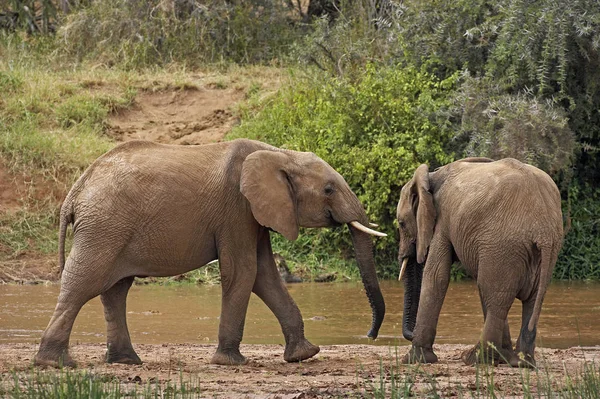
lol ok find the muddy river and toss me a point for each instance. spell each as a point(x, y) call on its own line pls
point(335, 313)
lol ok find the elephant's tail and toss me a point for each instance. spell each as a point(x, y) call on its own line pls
point(66, 218)
point(548, 256)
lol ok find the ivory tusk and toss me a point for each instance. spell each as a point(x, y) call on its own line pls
point(367, 230)
point(373, 225)
point(404, 262)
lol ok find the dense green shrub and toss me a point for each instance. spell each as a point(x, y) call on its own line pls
point(548, 48)
point(558, 58)
point(580, 256)
point(432, 32)
point(374, 131)
point(498, 125)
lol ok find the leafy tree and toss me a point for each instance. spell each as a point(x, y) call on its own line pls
point(375, 131)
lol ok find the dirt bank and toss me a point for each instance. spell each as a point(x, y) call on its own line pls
point(198, 116)
point(337, 371)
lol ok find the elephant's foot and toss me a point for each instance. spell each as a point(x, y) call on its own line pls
point(231, 357)
point(300, 351)
point(51, 360)
point(476, 355)
point(419, 354)
point(490, 355)
point(126, 356)
point(523, 360)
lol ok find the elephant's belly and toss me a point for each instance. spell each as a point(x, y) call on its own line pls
point(170, 260)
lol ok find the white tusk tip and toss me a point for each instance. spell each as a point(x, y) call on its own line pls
point(367, 230)
point(402, 268)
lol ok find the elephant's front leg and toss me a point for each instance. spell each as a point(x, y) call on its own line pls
point(269, 287)
point(436, 276)
point(238, 273)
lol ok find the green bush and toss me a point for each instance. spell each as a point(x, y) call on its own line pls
point(580, 255)
point(498, 125)
point(375, 131)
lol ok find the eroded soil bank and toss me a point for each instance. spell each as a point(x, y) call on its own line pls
point(337, 371)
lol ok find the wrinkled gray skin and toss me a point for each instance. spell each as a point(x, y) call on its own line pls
point(502, 220)
point(147, 209)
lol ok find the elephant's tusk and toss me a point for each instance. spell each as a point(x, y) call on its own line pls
point(367, 230)
point(404, 262)
point(373, 225)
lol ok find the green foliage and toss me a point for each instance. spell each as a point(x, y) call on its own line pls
point(52, 127)
point(312, 256)
point(580, 256)
point(89, 109)
point(374, 131)
point(141, 33)
point(10, 82)
point(432, 33)
point(549, 49)
point(558, 58)
point(499, 125)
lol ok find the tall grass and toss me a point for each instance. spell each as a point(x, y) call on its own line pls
point(67, 384)
point(397, 380)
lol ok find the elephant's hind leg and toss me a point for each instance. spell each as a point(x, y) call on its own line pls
point(526, 341)
point(505, 353)
point(119, 348)
point(75, 291)
point(494, 345)
point(269, 287)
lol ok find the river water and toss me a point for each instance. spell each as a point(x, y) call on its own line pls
point(334, 313)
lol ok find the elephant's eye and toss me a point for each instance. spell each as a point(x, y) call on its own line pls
point(328, 190)
point(401, 224)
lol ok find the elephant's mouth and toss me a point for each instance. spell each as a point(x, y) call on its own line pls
point(409, 252)
point(332, 221)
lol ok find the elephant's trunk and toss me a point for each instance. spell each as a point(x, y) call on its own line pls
point(363, 248)
point(413, 277)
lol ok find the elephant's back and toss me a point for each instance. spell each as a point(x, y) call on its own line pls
point(142, 172)
point(506, 200)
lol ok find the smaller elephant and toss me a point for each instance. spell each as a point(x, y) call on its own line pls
point(502, 221)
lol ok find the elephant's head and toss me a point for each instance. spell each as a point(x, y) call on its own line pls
point(289, 189)
point(416, 220)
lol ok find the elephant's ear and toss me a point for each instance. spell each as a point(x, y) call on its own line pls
point(265, 183)
point(426, 213)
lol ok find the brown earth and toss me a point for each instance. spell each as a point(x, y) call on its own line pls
point(337, 371)
point(198, 116)
point(18, 190)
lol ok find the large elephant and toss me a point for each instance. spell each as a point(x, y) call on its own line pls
point(147, 209)
point(502, 220)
